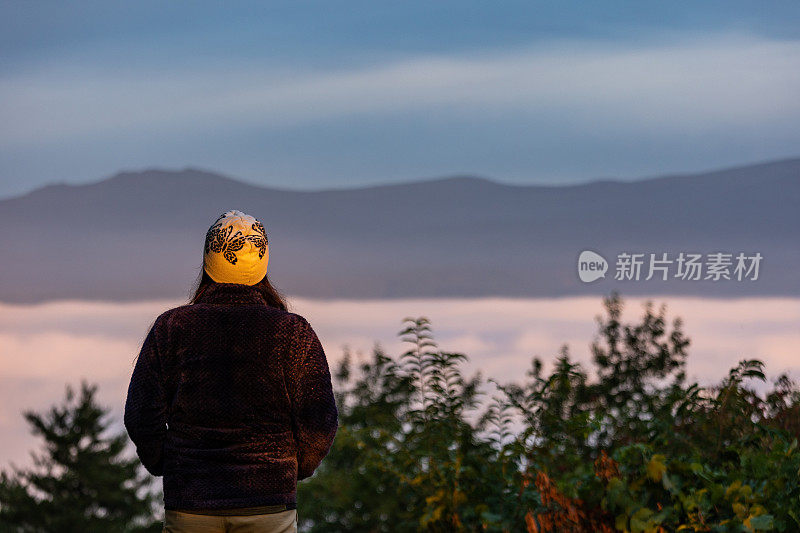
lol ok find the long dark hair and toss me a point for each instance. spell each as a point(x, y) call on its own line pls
point(273, 297)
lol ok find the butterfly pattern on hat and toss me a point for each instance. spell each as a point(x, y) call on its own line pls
point(220, 240)
point(259, 241)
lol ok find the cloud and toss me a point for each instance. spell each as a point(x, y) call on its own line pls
point(45, 346)
point(717, 82)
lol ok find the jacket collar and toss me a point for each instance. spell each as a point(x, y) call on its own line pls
point(231, 293)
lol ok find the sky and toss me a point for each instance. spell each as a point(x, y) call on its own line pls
point(314, 95)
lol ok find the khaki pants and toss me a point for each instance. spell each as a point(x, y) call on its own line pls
point(181, 522)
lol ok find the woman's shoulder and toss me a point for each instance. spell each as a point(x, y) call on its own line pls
point(296, 317)
point(299, 323)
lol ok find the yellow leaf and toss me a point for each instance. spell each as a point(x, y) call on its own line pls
point(735, 486)
point(656, 467)
point(757, 510)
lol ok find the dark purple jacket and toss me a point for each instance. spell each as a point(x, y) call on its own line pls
point(231, 401)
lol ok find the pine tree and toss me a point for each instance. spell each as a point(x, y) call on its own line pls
point(81, 481)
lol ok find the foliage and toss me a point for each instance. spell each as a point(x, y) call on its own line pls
point(81, 482)
point(630, 446)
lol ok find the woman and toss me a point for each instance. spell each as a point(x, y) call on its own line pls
point(230, 399)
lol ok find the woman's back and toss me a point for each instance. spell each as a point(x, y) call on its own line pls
point(227, 366)
point(231, 401)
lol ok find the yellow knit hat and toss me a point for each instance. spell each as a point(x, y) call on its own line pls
point(236, 250)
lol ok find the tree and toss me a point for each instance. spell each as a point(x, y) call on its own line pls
point(638, 366)
point(405, 458)
point(623, 442)
point(81, 481)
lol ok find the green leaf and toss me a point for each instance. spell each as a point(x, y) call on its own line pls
point(667, 482)
point(764, 522)
point(640, 521)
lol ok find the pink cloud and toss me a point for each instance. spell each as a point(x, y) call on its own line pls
point(43, 347)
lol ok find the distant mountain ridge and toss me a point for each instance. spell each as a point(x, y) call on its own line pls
point(139, 235)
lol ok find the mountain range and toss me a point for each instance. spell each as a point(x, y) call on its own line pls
point(139, 235)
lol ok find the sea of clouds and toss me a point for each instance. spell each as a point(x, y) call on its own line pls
point(44, 347)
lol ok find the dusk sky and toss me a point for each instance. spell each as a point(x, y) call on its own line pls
point(317, 95)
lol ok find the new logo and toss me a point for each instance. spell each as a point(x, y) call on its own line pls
point(591, 266)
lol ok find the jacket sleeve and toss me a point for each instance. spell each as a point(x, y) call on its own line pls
point(314, 412)
point(146, 405)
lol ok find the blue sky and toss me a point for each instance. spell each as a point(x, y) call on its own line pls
point(321, 94)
